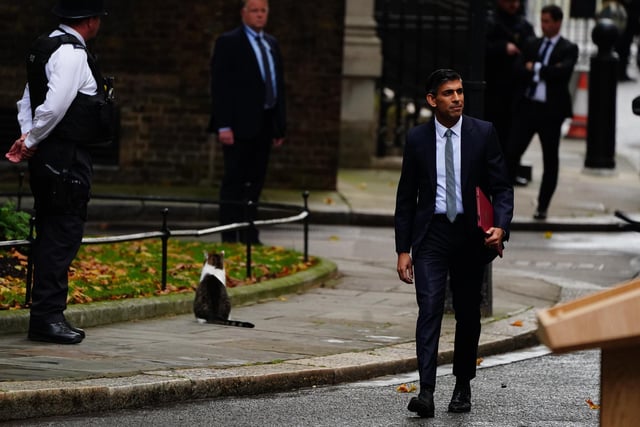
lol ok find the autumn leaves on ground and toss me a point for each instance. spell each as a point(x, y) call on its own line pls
point(133, 269)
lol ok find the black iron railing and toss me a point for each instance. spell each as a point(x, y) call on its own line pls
point(297, 214)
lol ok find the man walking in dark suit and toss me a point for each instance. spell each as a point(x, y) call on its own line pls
point(248, 112)
point(437, 233)
point(546, 68)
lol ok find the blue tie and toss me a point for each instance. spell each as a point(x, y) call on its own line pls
point(452, 210)
point(269, 95)
point(542, 53)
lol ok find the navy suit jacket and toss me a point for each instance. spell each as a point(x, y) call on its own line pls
point(482, 164)
point(238, 89)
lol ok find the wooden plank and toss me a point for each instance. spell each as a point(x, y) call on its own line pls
point(609, 318)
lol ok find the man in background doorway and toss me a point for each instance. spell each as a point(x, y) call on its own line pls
point(248, 113)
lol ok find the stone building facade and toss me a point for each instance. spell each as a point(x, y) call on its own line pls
point(159, 52)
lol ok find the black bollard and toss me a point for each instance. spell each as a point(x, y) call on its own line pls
point(601, 126)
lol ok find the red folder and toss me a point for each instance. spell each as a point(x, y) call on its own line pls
point(485, 213)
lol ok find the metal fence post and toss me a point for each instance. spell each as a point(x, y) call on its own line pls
point(247, 232)
point(165, 239)
point(305, 223)
point(27, 296)
point(20, 181)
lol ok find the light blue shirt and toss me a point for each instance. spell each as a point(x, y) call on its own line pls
point(541, 89)
point(256, 48)
point(441, 174)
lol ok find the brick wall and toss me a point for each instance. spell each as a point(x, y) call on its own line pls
point(159, 53)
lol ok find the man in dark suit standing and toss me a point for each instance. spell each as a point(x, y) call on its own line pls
point(248, 112)
point(545, 70)
point(507, 32)
point(437, 233)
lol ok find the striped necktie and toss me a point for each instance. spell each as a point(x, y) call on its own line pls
point(452, 210)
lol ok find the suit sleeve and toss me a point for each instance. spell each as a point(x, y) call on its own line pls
point(500, 186)
point(220, 85)
point(560, 71)
point(406, 198)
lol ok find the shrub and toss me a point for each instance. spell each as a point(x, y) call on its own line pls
point(14, 225)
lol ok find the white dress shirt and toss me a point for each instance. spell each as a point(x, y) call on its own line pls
point(68, 73)
point(441, 175)
point(540, 93)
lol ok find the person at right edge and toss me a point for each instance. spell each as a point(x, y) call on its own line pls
point(437, 233)
point(624, 40)
point(544, 72)
point(248, 113)
point(64, 109)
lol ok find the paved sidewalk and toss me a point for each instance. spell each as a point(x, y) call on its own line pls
point(347, 319)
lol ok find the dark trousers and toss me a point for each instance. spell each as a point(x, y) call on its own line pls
point(245, 170)
point(624, 40)
point(448, 250)
point(498, 110)
point(531, 118)
point(60, 179)
point(58, 238)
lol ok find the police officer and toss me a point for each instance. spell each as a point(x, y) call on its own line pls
point(62, 83)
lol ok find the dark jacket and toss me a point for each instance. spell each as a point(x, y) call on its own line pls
point(482, 165)
point(503, 28)
point(237, 87)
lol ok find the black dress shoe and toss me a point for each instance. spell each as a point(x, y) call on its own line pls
point(58, 333)
point(422, 404)
point(461, 399)
point(540, 215)
point(76, 330)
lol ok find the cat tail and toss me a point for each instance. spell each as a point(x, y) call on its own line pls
point(238, 323)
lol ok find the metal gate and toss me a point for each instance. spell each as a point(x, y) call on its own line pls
point(417, 37)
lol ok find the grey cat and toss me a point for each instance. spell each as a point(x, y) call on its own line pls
point(212, 302)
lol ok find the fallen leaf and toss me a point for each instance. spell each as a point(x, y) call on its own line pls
point(406, 388)
point(479, 360)
point(329, 201)
point(591, 404)
point(548, 234)
point(334, 238)
point(517, 323)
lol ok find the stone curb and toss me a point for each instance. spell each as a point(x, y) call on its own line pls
point(20, 400)
point(29, 399)
point(102, 313)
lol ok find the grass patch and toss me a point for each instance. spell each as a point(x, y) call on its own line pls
point(134, 269)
